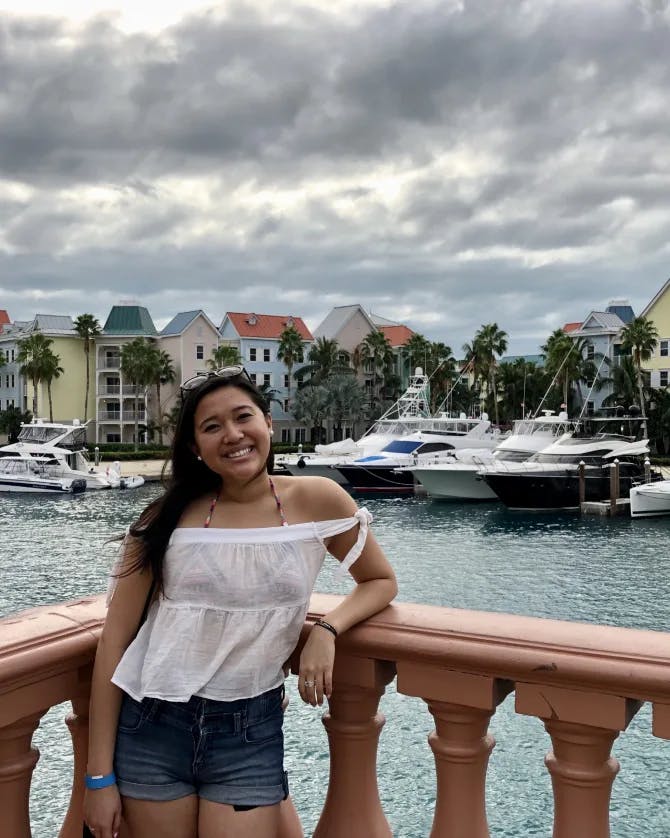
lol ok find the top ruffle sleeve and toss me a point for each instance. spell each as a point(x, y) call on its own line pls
point(362, 517)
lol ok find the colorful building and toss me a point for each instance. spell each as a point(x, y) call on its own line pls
point(658, 311)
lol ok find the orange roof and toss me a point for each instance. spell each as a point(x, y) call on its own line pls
point(571, 327)
point(397, 335)
point(269, 326)
point(4, 318)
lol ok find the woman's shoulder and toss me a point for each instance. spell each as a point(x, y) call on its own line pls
point(318, 498)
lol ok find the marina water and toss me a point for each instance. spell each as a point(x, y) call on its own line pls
point(480, 557)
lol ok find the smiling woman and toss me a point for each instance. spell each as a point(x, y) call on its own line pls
point(211, 593)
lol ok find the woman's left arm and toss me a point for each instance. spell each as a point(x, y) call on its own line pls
point(375, 587)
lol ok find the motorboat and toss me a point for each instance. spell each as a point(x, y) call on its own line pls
point(650, 499)
point(388, 470)
point(550, 479)
point(66, 443)
point(456, 476)
point(410, 414)
point(24, 473)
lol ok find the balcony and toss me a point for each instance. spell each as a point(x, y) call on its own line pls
point(109, 362)
point(584, 682)
point(116, 390)
point(117, 416)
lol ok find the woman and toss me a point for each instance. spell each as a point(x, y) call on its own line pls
point(186, 704)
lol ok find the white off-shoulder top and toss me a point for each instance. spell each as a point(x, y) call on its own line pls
point(233, 604)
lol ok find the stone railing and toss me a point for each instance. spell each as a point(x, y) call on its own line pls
point(585, 682)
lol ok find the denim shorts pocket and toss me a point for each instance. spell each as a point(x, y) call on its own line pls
point(133, 714)
point(265, 729)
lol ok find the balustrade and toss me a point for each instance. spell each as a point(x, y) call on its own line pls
point(584, 683)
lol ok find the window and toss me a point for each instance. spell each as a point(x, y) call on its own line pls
point(12, 379)
point(286, 381)
point(285, 405)
point(7, 354)
point(590, 408)
point(664, 378)
point(300, 434)
point(252, 353)
point(199, 352)
point(285, 434)
point(6, 381)
point(113, 438)
point(664, 348)
point(12, 354)
point(266, 356)
point(252, 376)
point(266, 379)
point(590, 351)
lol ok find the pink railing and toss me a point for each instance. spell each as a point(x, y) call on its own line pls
point(585, 682)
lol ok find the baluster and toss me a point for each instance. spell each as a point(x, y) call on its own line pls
point(583, 727)
point(462, 705)
point(352, 808)
point(18, 758)
point(77, 722)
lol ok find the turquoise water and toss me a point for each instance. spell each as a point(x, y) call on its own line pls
point(482, 557)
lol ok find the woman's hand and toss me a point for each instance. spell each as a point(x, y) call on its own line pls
point(315, 678)
point(102, 811)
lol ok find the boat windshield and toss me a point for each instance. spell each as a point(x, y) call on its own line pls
point(402, 446)
point(38, 433)
point(592, 458)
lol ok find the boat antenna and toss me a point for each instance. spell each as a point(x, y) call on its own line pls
point(593, 384)
point(445, 400)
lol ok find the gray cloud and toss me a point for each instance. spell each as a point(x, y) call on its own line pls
point(444, 162)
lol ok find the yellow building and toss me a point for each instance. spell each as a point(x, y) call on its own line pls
point(658, 311)
point(68, 391)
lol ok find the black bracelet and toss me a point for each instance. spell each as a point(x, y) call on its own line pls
point(327, 627)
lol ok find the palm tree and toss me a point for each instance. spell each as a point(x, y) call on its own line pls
point(640, 336)
point(51, 370)
point(10, 422)
point(310, 406)
point(325, 359)
point(269, 393)
point(624, 383)
point(164, 373)
point(137, 366)
point(377, 353)
point(346, 401)
point(291, 351)
point(224, 356)
point(418, 350)
point(88, 328)
point(490, 341)
point(32, 359)
point(567, 363)
point(442, 371)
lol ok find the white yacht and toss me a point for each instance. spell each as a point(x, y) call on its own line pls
point(650, 499)
point(66, 444)
point(457, 474)
point(408, 416)
point(23, 473)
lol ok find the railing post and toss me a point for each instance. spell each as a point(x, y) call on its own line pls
point(462, 705)
point(583, 727)
point(352, 808)
point(18, 758)
point(77, 722)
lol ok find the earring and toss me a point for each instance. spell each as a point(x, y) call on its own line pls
point(198, 457)
point(271, 431)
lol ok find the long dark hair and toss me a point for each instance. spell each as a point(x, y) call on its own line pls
point(186, 478)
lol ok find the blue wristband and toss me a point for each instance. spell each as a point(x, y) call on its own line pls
point(99, 781)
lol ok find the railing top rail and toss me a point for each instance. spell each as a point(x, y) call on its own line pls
point(628, 662)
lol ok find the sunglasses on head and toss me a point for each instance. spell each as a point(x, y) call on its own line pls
point(231, 371)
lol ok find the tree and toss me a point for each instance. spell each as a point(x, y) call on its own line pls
point(10, 422)
point(138, 367)
point(624, 383)
point(488, 342)
point(164, 373)
point(270, 394)
point(640, 337)
point(291, 351)
point(346, 402)
point(310, 406)
point(51, 370)
point(88, 328)
point(224, 356)
point(522, 384)
point(567, 363)
point(325, 359)
point(32, 359)
point(376, 351)
point(418, 351)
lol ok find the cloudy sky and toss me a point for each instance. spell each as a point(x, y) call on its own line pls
point(445, 164)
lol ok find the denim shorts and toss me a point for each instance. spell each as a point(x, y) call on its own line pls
point(224, 751)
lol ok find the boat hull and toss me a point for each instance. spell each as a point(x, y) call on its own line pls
point(43, 487)
point(554, 490)
point(650, 499)
point(312, 468)
point(377, 479)
point(455, 484)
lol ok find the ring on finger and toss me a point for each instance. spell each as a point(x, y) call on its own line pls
point(309, 683)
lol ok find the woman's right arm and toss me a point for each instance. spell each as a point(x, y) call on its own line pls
point(102, 807)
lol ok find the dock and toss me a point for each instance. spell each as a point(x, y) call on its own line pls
point(605, 508)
